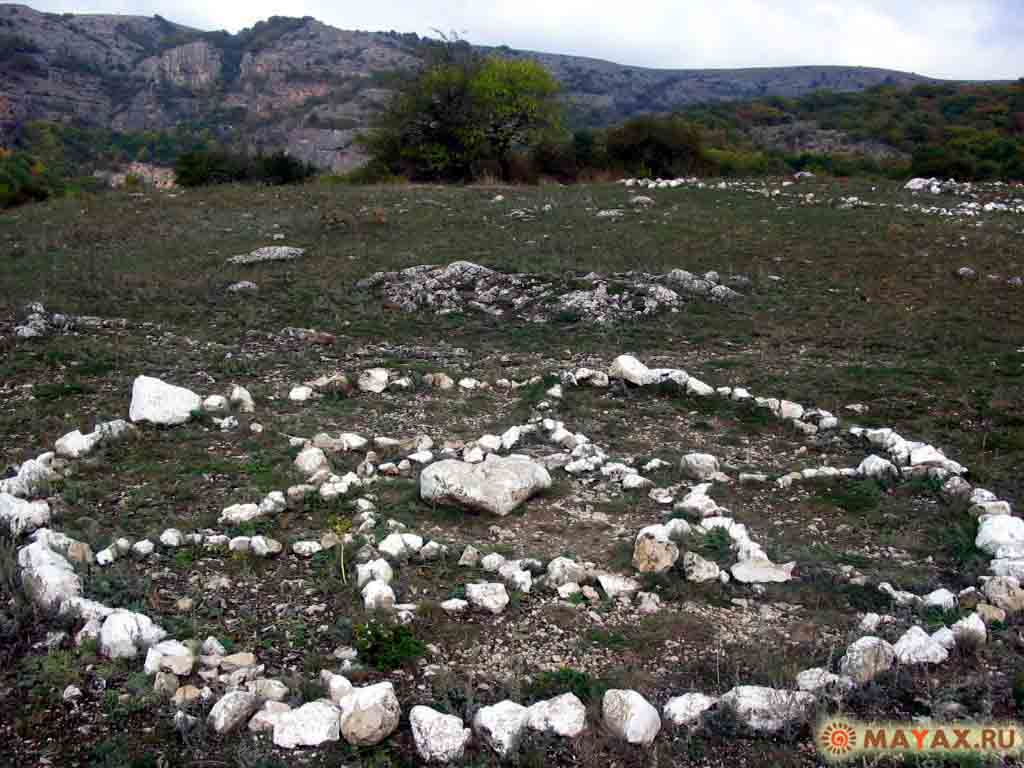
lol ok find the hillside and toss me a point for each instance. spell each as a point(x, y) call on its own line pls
point(306, 86)
point(963, 131)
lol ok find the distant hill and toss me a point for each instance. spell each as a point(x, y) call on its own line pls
point(957, 130)
point(308, 87)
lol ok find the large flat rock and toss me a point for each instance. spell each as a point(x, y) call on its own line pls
point(498, 485)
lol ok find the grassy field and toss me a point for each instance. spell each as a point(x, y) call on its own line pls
point(856, 306)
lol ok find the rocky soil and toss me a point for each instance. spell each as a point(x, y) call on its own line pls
point(444, 539)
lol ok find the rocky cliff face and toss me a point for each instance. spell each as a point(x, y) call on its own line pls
point(303, 85)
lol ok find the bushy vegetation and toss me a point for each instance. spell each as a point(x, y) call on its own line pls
point(387, 646)
point(201, 168)
point(464, 116)
point(24, 179)
point(945, 130)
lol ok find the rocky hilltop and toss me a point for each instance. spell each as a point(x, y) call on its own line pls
point(305, 86)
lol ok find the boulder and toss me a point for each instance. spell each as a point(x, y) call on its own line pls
point(877, 468)
point(338, 686)
point(159, 403)
point(563, 571)
point(1005, 592)
point(616, 586)
point(699, 570)
point(688, 709)
point(378, 596)
point(370, 714)
point(917, 647)
point(653, 551)
point(628, 368)
point(762, 571)
point(266, 719)
point(497, 486)
point(75, 445)
point(564, 716)
point(232, 710)
point(311, 460)
point(22, 516)
point(125, 633)
point(375, 570)
point(630, 716)
point(439, 738)
point(373, 380)
point(996, 531)
point(699, 466)
point(501, 726)
point(970, 631)
point(819, 680)
point(311, 725)
point(769, 710)
point(490, 597)
point(867, 658)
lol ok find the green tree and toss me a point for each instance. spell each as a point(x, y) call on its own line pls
point(513, 105)
point(659, 146)
point(462, 115)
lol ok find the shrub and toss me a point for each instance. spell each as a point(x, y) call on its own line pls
point(202, 168)
point(659, 146)
point(385, 646)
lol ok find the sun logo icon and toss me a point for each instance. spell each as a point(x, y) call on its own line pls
point(838, 739)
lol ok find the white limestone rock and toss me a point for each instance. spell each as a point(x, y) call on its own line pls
point(629, 716)
point(157, 402)
point(439, 738)
point(373, 380)
point(264, 546)
point(311, 460)
point(47, 577)
point(628, 368)
point(867, 658)
point(498, 485)
point(311, 725)
point(375, 570)
point(22, 516)
point(125, 633)
point(616, 586)
point(877, 468)
point(653, 551)
point(819, 681)
point(501, 726)
point(490, 597)
point(699, 466)
point(378, 596)
point(564, 716)
point(75, 445)
point(231, 711)
point(563, 570)
point(917, 647)
point(769, 710)
point(970, 631)
point(688, 709)
point(237, 514)
point(699, 570)
point(760, 570)
point(241, 399)
point(172, 538)
point(942, 599)
point(997, 531)
point(370, 714)
point(266, 718)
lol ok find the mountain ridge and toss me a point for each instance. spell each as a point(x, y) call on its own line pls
point(307, 87)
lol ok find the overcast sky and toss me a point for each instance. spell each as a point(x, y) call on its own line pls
point(960, 39)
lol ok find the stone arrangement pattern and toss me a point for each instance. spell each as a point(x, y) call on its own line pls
point(477, 476)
